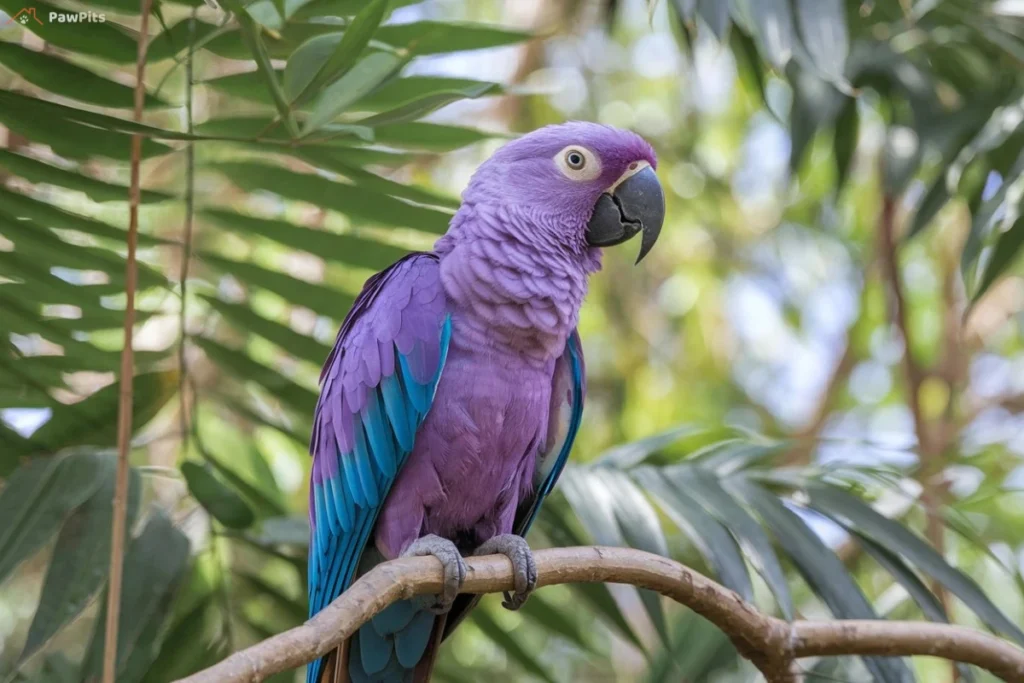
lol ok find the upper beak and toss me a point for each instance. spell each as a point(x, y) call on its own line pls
point(634, 205)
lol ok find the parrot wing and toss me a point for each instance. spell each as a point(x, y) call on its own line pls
point(568, 390)
point(377, 386)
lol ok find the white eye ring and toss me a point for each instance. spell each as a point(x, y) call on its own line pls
point(578, 163)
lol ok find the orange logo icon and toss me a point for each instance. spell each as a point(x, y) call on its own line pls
point(23, 16)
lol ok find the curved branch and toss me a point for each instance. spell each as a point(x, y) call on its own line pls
point(770, 643)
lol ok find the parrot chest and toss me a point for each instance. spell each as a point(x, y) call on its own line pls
point(474, 456)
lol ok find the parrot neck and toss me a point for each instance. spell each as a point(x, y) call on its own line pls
point(514, 285)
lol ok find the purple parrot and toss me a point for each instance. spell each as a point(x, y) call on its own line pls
point(455, 389)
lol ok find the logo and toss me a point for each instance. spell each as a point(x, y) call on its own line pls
point(23, 17)
point(27, 15)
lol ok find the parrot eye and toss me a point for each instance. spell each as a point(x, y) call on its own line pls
point(578, 163)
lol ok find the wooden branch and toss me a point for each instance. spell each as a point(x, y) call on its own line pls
point(770, 643)
point(124, 406)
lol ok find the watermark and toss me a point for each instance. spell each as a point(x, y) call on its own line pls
point(28, 16)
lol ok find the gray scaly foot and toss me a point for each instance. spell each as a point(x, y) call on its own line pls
point(524, 569)
point(454, 569)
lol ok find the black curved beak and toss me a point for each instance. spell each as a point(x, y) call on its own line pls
point(636, 205)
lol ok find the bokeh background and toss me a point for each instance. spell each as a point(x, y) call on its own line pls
point(812, 390)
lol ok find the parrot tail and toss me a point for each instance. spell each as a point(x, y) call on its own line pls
point(396, 646)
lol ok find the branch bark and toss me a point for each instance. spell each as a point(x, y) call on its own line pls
point(770, 643)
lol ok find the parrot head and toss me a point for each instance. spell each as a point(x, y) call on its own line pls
point(587, 185)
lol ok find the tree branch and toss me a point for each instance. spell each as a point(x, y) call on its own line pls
point(771, 644)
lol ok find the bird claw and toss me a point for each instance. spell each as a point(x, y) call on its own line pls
point(454, 570)
point(524, 569)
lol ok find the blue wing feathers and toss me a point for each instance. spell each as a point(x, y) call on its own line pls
point(411, 642)
point(384, 396)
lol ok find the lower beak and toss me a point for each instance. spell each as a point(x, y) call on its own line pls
point(636, 205)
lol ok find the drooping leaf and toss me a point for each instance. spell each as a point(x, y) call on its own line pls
point(716, 15)
point(517, 652)
point(773, 28)
point(245, 319)
point(154, 565)
point(99, 191)
point(356, 251)
point(711, 539)
point(83, 549)
point(37, 499)
point(93, 421)
point(361, 79)
point(823, 32)
point(1004, 253)
point(703, 487)
point(226, 506)
point(299, 398)
point(319, 298)
point(822, 571)
point(347, 199)
point(855, 514)
point(844, 141)
point(356, 37)
point(61, 77)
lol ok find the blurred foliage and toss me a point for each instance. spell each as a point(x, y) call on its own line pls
point(294, 147)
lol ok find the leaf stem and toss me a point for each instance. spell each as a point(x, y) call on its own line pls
point(124, 412)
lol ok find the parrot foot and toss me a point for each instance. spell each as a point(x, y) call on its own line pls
point(524, 569)
point(454, 570)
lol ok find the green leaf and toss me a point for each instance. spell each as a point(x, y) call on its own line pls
point(823, 30)
point(331, 246)
point(20, 206)
point(299, 398)
point(69, 80)
point(930, 605)
point(154, 566)
point(264, 495)
point(611, 522)
point(555, 620)
point(553, 518)
point(822, 571)
point(1004, 252)
point(44, 246)
point(773, 28)
point(69, 138)
point(252, 36)
point(710, 538)
point(294, 610)
point(844, 141)
point(36, 500)
point(352, 44)
point(290, 341)
point(401, 91)
point(99, 191)
point(327, 194)
point(335, 163)
point(435, 37)
point(83, 549)
point(434, 137)
point(705, 488)
point(223, 504)
point(715, 14)
point(93, 421)
point(320, 299)
point(855, 514)
point(426, 105)
point(366, 75)
point(516, 651)
point(640, 529)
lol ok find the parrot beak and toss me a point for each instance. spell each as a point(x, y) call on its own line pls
point(635, 203)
